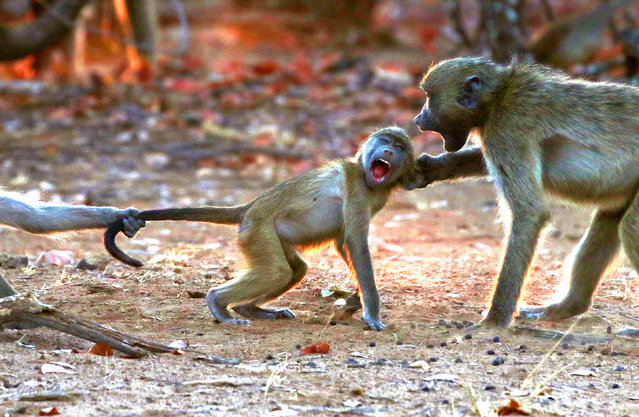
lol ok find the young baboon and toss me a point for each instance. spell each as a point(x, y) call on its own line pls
point(335, 202)
point(541, 131)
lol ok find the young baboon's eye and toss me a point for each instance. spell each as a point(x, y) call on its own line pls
point(400, 147)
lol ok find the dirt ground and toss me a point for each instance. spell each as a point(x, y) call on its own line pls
point(435, 252)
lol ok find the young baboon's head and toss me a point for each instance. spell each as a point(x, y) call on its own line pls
point(456, 93)
point(387, 157)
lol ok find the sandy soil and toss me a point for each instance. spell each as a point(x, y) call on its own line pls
point(435, 254)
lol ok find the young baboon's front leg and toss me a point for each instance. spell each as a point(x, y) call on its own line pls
point(596, 250)
point(299, 268)
point(353, 302)
point(357, 245)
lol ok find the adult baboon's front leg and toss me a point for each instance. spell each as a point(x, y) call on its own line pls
point(596, 250)
point(523, 194)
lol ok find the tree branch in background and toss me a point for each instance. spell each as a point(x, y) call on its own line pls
point(143, 17)
point(22, 40)
point(455, 15)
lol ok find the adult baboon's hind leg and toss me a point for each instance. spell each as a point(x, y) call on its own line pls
point(299, 268)
point(596, 250)
point(268, 275)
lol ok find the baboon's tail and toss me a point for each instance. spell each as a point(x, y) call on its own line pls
point(220, 215)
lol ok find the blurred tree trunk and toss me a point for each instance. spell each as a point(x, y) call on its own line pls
point(50, 27)
point(504, 26)
point(144, 21)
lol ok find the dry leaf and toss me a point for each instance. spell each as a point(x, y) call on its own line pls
point(179, 344)
point(50, 411)
point(57, 367)
point(443, 377)
point(101, 349)
point(55, 257)
point(319, 347)
point(583, 372)
point(513, 408)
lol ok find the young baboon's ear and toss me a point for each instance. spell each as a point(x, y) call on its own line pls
point(470, 89)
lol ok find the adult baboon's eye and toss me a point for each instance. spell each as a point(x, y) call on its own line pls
point(400, 147)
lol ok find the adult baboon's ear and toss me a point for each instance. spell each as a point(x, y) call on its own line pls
point(470, 90)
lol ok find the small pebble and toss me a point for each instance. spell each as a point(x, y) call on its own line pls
point(522, 347)
point(467, 323)
point(618, 353)
point(458, 360)
point(445, 402)
point(591, 348)
point(560, 353)
point(498, 361)
point(609, 329)
point(429, 346)
point(311, 364)
point(333, 323)
point(442, 344)
point(490, 388)
point(468, 336)
point(298, 346)
point(428, 387)
point(615, 385)
point(433, 359)
point(496, 339)
point(372, 344)
point(605, 351)
point(566, 346)
point(270, 357)
point(399, 342)
point(490, 352)
point(441, 322)
point(620, 368)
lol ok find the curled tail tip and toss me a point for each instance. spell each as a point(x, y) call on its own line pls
point(109, 244)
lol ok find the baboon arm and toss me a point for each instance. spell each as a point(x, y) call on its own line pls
point(362, 265)
point(51, 218)
point(448, 166)
point(356, 241)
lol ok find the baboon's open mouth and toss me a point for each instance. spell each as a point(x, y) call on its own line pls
point(380, 169)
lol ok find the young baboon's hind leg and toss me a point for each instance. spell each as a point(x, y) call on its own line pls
point(596, 250)
point(299, 268)
point(268, 273)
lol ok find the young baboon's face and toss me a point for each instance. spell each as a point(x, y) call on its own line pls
point(453, 95)
point(385, 156)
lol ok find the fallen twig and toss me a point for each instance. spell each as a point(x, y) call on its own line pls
point(25, 308)
point(556, 334)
